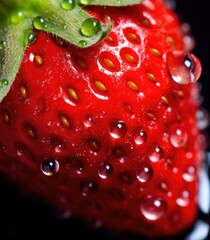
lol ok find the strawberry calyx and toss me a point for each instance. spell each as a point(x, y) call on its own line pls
point(66, 19)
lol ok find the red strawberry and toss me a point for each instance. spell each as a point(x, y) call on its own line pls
point(108, 131)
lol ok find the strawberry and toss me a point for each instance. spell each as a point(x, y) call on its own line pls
point(98, 112)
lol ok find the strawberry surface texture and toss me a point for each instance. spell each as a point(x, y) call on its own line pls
point(109, 132)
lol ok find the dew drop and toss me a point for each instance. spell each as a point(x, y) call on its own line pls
point(90, 27)
point(31, 37)
point(184, 67)
point(105, 170)
point(40, 23)
point(140, 136)
point(153, 208)
point(89, 121)
point(184, 199)
point(49, 167)
point(17, 17)
point(4, 82)
point(144, 174)
point(190, 174)
point(156, 153)
point(178, 136)
point(82, 43)
point(88, 188)
point(68, 4)
point(118, 129)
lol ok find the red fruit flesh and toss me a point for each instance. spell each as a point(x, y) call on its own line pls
point(105, 132)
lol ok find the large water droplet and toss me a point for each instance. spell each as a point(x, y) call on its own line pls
point(152, 208)
point(156, 153)
point(178, 136)
point(68, 4)
point(140, 136)
point(90, 27)
point(184, 67)
point(184, 199)
point(89, 121)
point(105, 170)
point(82, 43)
point(118, 129)
point(144, 174)
point(190, 174)
point(40, 23)
point(4, 82)
point(49, 167)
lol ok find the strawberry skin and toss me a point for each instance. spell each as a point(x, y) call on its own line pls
point(109, 132)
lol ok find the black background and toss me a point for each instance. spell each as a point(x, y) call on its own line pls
point(25, 218)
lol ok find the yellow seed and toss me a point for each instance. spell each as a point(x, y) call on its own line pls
point(73, 94)
point(180, 93)
point(130, 58)
point(170, 41)
point(145, 23)
point(165, 100)
point(150, 115)
point(93, 144)
point(6, 117)
point(132, 86)
point(155, 52)
point(164, 186)
point(100, 86)
point(38, 60)
point(64, 121)
point(31, 132)
point(110, 39)
point(81, 63)
point(23, 91)
point(151, 77)
point(108, 63)
point(132, 37)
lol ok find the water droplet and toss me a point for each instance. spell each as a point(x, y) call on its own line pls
point(88, 188)
point(153, 208)
point(89, 121)
point(90, 27)
point(4, 82)
point(190, 174)
point(178, 136)
point(82, 43)
point(156, 153)
point(184, 199)
point(31, 37)
point(144, 174)
point(49, 167)
point(140, 136)
point(184, 67)
point(17, 17)
point(202, 116)
point(118, 129)
point(105, 170)
point(40, 23)
point(68, 4)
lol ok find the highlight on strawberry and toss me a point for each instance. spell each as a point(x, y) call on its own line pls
point(98, 112)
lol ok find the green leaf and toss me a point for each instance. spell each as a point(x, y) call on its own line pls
point(68, 24)
point(114, 3)
point(13, 44)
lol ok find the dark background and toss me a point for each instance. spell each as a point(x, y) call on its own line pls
point(25, 218)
